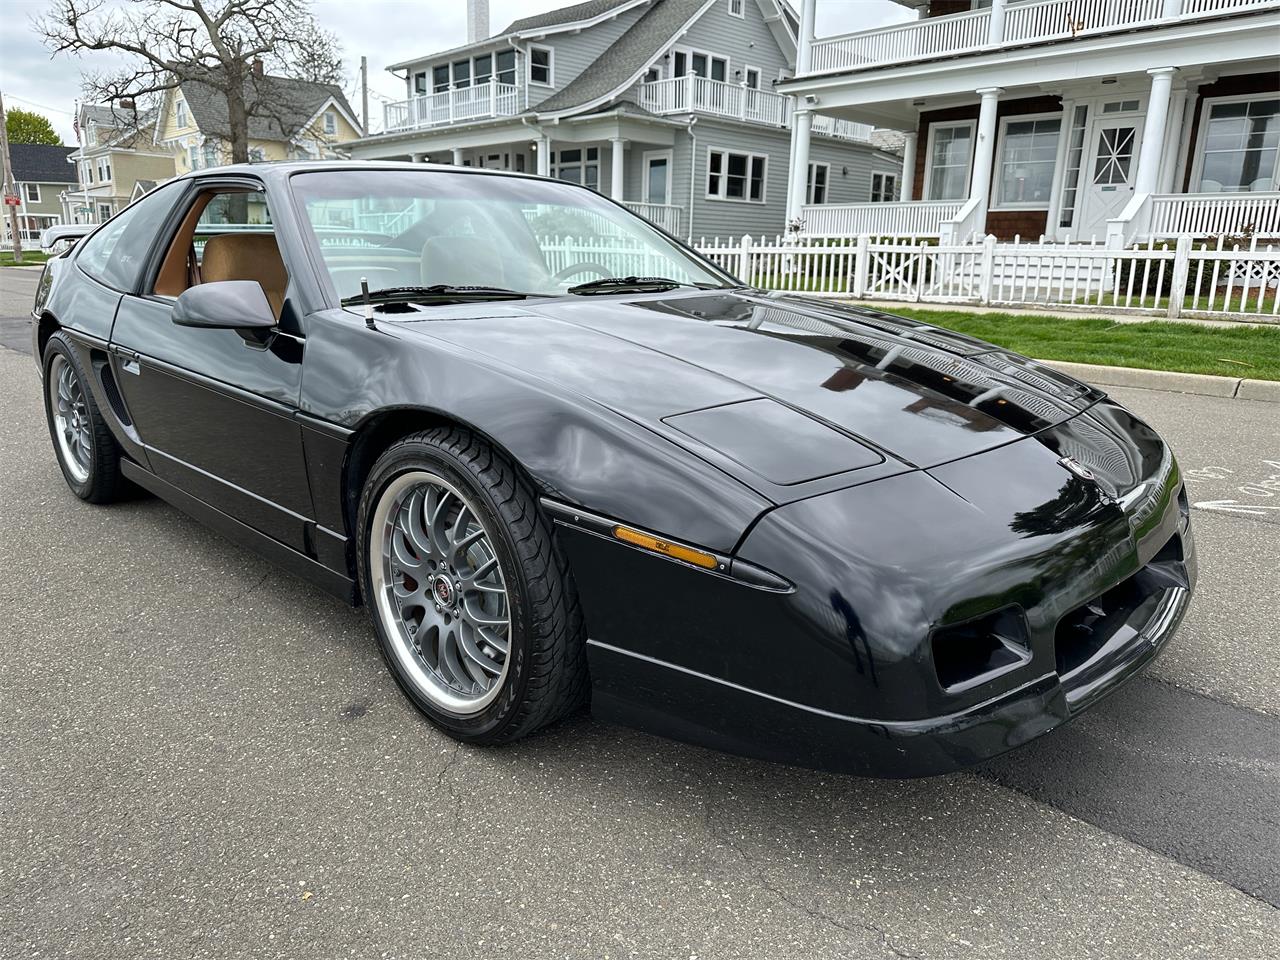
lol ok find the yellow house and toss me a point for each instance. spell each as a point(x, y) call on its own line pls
point(290, 120)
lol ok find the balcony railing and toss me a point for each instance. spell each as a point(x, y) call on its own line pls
point(737, 101)
point(919, 218)
point(479, 102)
point(1022, 23)
point(663, 215)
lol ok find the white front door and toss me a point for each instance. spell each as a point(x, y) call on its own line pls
point(657, 177)
point(1106, 182)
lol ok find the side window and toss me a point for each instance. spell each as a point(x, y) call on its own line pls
point(117, 252)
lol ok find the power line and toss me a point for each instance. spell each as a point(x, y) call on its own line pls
point(32, 103)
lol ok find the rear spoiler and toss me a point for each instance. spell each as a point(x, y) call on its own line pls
point(68, 232)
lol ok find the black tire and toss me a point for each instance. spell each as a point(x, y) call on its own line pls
point(99, 480)
point(546, 677)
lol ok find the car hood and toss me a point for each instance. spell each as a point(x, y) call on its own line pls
point(915, 394)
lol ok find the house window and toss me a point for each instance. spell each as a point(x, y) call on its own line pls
point(1115, 156)
point(736, 176)
point(32, 191)
point(1241, 142)
point(752, 78)
point(256, 155)
point(193, 157)
point(420, 83)
point(1121, 106)
point(211, 157)
point(540, 66)
point(736, 9)
point(440, 78)
point(86, 172)
point(1028, 155)
point(950, 157)
point(506, 66)
point(577, 166)
point(104, 212)
point(815, 190)
point(884, 187)
point(1075, 158)
point(483, 68)
point(180, 111)
point(104, 169)
point(330, 123)
point(462, 73)
point(657, 177)
point(700, 64)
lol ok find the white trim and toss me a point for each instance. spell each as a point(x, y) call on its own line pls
point(927, 186)
point(724, 176)
point(811, 181)
point(884, 175)
point(331, 102)
point(742, 9)
point(645, 157)
point(1197, 165)
point(689, 54)
point(999, 161)
point(551, 65)
point(747, 68)
point(26, 193)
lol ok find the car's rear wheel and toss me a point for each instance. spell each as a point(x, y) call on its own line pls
point(471, 600)
point(86, 450)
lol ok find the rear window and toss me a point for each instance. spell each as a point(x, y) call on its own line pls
point(116, 253)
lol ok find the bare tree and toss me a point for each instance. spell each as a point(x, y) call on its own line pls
point(223, 44)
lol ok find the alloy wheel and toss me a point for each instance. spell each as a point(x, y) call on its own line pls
point(70, 418)
point(440, 592)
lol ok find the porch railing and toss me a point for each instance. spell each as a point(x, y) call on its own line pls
point(918, 218)
point(1215, 214)
point(663, 215)
point(1023, 23)
point(478, 102)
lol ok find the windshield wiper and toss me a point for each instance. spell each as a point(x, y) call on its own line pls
point(436, 293)
point(629, 285)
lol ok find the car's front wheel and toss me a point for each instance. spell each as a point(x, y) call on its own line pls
point(86, 450)
point(474, 608)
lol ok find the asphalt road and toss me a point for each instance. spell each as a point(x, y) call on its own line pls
point(203, 757)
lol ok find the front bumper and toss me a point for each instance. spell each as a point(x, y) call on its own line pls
point(684, 704)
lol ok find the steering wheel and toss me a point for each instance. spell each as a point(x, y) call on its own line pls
point(576, 268)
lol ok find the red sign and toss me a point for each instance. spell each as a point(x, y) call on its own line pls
point(12, 200)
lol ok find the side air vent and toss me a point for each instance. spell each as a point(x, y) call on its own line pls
point(111, 389)
point(966, 654)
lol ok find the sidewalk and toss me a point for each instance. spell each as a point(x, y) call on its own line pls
point(1081, 313)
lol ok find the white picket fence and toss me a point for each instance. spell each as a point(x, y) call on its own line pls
point(1174, 279)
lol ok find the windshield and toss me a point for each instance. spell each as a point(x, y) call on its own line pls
point(422, 228)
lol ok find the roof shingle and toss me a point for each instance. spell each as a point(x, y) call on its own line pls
point(284, 106)
point(41, 163)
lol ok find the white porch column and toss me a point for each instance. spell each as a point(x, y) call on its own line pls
point(1172, 8)
point(909, 166)
point(804, 42)
point(995, 29)
point(457, 156)
point(418, 157)
point(617, 168)
point(544, 156)
point(984, 155)
point(1147, 179)
point(802, 122)
point(1173, 141)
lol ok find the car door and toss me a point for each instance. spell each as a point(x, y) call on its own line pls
point(216, 408)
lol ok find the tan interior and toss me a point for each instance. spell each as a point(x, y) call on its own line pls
point(246, 256)
point(228, 256)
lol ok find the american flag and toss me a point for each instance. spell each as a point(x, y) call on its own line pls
point(75, 121)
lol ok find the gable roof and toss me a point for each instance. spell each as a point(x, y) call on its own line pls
point(552, 18)
point(287, 106)
point(41, 163)
point(627, 57)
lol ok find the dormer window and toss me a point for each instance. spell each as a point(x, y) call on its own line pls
point(540, 66)
point(330, 122)
point(180, 113)
point(736, 9)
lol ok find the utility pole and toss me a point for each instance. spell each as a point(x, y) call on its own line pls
point(364, 93)
point(9, 186)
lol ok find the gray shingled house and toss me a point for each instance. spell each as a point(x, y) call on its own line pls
point(41, 173)
point(669, 106)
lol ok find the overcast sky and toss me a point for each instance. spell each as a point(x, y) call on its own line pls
point(385, 31)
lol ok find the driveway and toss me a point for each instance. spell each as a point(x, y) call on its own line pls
point(203, 757)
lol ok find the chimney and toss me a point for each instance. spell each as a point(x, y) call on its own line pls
point(126, 103)
point(477, 20)
point(256, 66)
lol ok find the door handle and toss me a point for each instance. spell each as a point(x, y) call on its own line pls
point(132, 366)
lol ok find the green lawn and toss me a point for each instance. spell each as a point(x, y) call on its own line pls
point(28, 257)
point(1157, 345)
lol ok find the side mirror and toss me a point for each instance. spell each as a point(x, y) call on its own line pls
point(225, 305)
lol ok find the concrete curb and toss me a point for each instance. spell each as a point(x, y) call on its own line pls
point(1201, 384)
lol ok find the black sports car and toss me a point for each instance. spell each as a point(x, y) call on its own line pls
point(563, 458)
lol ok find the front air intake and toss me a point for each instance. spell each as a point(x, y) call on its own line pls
point(973, 652)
